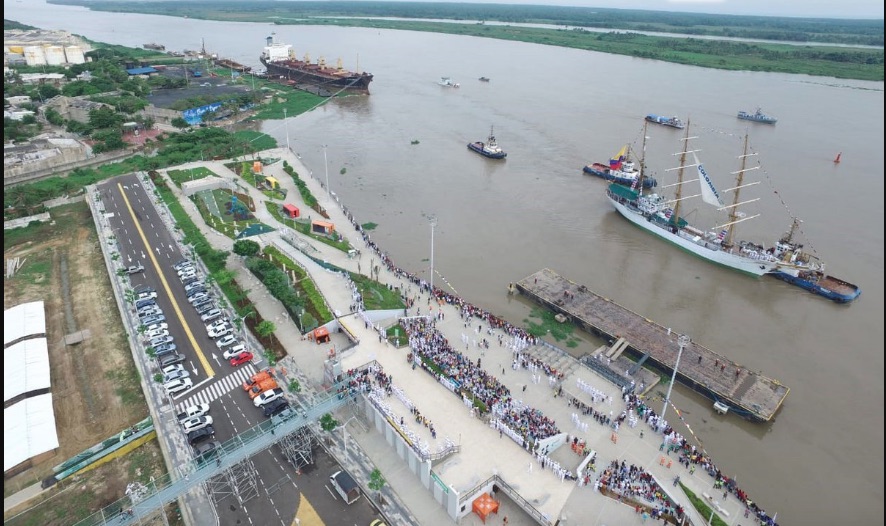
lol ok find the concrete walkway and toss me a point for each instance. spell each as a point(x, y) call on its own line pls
point(483, 452)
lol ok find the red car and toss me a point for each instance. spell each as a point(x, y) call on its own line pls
point(241, 358)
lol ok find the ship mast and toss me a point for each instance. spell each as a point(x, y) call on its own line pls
point(733, 212)
point(675, 217)
point(642, 160)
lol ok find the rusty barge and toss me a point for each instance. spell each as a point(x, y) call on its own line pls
point(749, 394)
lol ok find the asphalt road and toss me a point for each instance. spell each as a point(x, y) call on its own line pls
point(274, 492)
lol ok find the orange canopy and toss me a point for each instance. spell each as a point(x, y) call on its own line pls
point(485, 505)
point(321, 335)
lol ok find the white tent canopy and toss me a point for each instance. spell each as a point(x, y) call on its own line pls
point(25, 368)
point(29, 430)
point(27, 319)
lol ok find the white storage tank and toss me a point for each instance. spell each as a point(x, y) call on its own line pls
point(55, 55)
point(34, 56)
point(75, 55)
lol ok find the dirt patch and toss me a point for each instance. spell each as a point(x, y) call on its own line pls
point(95, 385)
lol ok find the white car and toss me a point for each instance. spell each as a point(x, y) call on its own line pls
point(156, 333)
point(146, 296)
point(226, 341)
point(156, 326)
point(234, 351)
point(178, 385)
point(211, 315)
point(193, 411)
point(175, 375)
point(268, 396)
point(169, 369)
point(198, 422)
point(224, 331)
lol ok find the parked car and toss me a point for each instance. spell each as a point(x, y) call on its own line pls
point(156, 326)
point(195, 292)
point(150, 310)
point(144, 288)
point(187, 275)
point(156, 333)
point(141, 304)
point(146, 295)
point(226, 341)
point(267, 396)
point(152, 319)
point(218, 333)
point(172, 368)
point(211, 315)
point(274, 407)
point(207, 451)
point(185, 269)
point(175, 375)
point(241, 358)
point(170, 358)
point(194, 285)
point(178, 385)
point(204, 305)
point(201, 435)
point(193, 411)
point(182, 263)
point(160, 341)
point(164, 349)
point(195, 423)
point(234, 351)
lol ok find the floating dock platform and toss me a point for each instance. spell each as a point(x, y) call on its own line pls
point(746, 393)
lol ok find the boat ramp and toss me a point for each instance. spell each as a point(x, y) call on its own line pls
point(749, 394)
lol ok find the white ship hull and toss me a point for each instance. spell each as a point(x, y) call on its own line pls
point(699, 248)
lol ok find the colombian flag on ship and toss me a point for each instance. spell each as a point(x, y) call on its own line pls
point(615, 162)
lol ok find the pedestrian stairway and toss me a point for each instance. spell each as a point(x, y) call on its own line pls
point(218, 388)
point(557, 359)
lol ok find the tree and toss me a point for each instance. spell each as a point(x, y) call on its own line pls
point(105, 118)
point(246, 247)
point(54, 117)
point(328, 423)
point(179, 123)
point(377, 483)
point(265, 329)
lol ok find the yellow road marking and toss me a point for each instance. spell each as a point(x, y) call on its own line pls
point(306, 514)
point(203, 361)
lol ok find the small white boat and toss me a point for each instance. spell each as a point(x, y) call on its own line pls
point(447, 82)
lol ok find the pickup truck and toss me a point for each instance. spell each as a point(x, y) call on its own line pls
point(256, 378)
point(192, 411)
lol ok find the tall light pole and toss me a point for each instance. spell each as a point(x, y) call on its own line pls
point(326, 167)
point(433, 224)
point(286, 124)
point(682, 341)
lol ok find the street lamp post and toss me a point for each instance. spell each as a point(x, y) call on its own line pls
point(286, 124)
point(433, 224)
point(326, 167)
point(682, 341)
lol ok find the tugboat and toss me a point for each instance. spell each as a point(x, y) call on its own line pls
point(673, 122)
point(489, 148)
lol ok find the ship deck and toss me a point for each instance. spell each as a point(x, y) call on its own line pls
point(749, 394)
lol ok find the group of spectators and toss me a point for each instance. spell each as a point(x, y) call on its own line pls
point(471, 380)
point(633, 482)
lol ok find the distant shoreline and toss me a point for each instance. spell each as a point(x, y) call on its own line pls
point(856, 63)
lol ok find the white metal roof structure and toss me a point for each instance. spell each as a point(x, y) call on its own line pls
point(25, 368)
point(29, 429)
point(27, 319)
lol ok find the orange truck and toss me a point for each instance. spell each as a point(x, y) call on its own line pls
point(256, 378)
point(262, 386)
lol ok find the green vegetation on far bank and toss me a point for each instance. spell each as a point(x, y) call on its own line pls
point(819, 60)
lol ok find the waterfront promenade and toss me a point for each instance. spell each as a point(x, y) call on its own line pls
point(484, 453)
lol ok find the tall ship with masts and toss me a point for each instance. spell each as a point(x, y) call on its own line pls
point(662, 217)
point(280, 61)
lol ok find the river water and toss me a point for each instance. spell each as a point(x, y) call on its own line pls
point(555, 110)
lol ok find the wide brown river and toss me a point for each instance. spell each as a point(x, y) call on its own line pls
point(555, 110)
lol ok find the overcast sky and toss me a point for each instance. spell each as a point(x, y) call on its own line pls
point(797, 8)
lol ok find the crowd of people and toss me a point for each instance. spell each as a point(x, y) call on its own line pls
point(633, 482)
point(471, 379)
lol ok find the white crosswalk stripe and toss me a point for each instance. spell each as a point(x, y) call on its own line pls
point(217, 389)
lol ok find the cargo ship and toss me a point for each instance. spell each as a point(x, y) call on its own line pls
point(280, 62)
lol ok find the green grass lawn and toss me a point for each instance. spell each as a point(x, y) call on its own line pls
point(180, 176)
